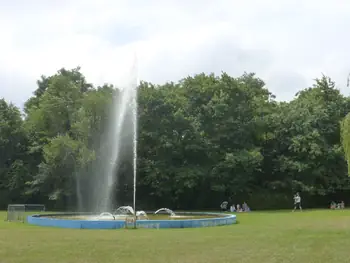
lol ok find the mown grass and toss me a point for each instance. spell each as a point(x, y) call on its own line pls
point(260, 237)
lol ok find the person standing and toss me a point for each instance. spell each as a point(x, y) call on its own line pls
point(342, 205)
point(297, 202)
point(223, 206)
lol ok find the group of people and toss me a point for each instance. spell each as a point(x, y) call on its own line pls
point(335, 205)
point(297, 205)
point(239, 208)
point(235, 208)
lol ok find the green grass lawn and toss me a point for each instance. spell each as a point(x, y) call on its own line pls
point(311, 236)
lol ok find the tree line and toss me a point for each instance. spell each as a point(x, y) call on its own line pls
point(202, 140)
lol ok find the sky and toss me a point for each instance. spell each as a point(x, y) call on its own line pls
point(287, 43)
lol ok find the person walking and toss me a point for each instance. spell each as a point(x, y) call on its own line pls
point(297, 202)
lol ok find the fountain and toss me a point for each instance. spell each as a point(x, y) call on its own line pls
point(125, 103)
point(102, 185)
point(115, 147)
point(134, 114)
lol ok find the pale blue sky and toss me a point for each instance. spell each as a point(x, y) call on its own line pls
point(288, 43)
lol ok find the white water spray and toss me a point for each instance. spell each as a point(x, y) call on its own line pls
point(167, 210)
point(124, 210)
point(96, 192)
point(134, 87)
point(121, 105)
point(124, 105)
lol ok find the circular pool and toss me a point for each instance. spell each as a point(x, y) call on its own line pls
point(108, 221)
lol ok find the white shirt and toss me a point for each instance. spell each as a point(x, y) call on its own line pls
point(297, 199)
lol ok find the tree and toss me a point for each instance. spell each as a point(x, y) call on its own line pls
point(57, 178)
point(202, 140)
point(74, 75)
point(307, 154)
point(13, 154)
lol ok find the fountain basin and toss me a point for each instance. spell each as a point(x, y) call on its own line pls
point(182, 220)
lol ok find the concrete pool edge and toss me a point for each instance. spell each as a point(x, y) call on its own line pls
point(45, 220)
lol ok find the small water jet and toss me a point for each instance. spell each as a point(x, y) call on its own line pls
point(141, 214)
point(106, 216)
point(167, 210)
point(124, 210)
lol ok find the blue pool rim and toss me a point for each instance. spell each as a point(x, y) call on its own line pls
point(48, 220)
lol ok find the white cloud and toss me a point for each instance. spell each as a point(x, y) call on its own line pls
point(287, 43)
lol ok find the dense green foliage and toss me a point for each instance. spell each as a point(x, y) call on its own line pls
point(202, 140)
